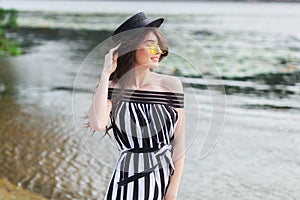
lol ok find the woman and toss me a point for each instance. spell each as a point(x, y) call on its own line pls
point(146, 113)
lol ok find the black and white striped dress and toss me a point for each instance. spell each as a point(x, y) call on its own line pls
point(143, 126)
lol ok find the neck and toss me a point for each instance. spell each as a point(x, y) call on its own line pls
point(140, 77)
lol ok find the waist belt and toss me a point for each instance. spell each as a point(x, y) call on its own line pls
point(160, 150)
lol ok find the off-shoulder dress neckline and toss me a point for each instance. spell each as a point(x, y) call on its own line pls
point(146, 91)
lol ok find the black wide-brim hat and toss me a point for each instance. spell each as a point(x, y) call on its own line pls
point(138, 20)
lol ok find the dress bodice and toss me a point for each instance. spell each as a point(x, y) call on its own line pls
point(143, 118)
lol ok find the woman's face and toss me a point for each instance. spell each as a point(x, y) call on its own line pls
point(143, 57)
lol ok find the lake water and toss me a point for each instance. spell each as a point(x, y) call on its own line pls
point(45, 92)
point(262, 38)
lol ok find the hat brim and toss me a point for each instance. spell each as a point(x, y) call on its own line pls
point(155, 23)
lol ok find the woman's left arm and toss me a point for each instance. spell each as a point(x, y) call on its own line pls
point(178, 155)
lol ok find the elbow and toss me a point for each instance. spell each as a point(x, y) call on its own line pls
point(96, 125)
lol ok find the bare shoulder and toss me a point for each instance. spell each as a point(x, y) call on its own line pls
point(171, 83)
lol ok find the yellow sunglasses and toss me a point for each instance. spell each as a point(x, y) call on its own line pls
point(154, 48)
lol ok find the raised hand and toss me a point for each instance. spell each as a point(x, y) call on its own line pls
point(110, 61)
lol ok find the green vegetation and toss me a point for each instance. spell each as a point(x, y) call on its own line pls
point(8, 19)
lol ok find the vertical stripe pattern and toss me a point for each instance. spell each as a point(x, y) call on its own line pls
point(143, 124)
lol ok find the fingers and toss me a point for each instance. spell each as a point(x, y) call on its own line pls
point(115, 56)
point(111, 58)
point(117, 46)
point(115, 52)
point(112, 50)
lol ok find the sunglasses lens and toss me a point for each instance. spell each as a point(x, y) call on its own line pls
point(153, 49)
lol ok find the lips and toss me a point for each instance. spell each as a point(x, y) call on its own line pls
point(155, 58)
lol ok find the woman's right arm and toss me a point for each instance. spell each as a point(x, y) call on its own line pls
point(101, 105)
